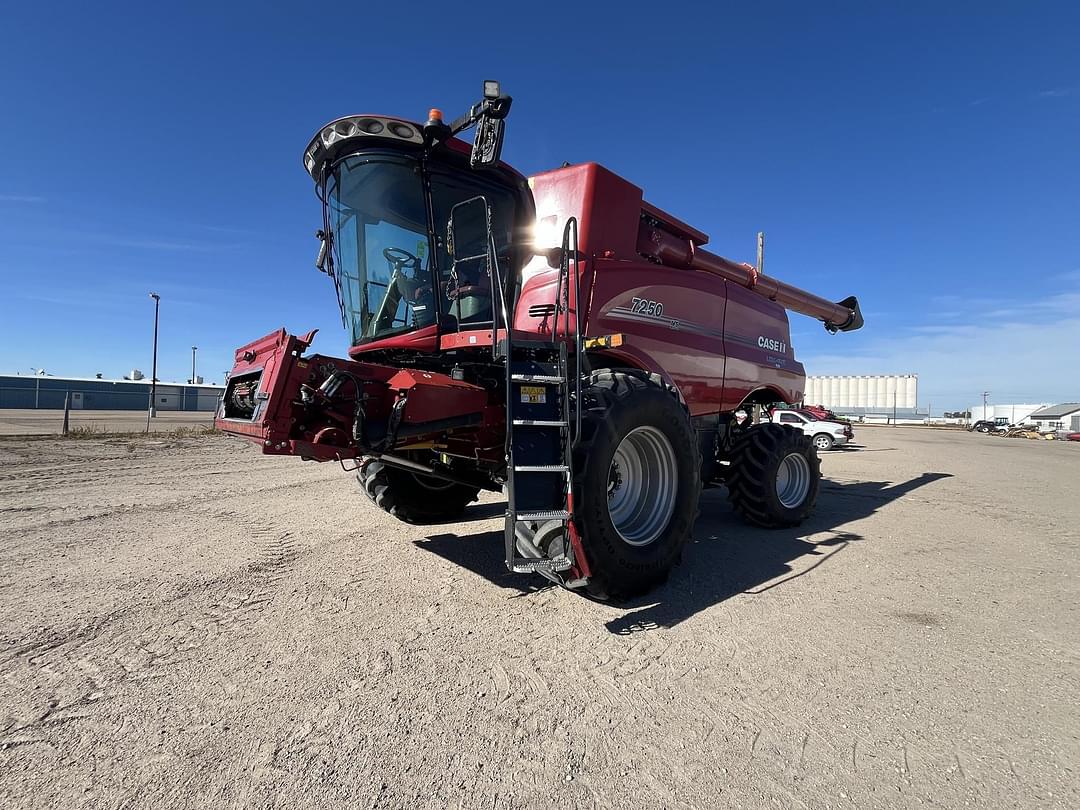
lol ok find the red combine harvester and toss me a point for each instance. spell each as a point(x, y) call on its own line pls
point(556, 338)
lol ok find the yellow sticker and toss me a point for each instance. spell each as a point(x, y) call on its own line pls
point(533, 395)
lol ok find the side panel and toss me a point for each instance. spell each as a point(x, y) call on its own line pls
point(607, 208)
point(673, 323)
point(540, 290)
point(716, 342)
point(759, 352)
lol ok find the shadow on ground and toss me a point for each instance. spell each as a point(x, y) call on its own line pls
point(726, 557)
point(483, 555)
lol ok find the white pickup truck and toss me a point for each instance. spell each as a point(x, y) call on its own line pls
point(826, 435)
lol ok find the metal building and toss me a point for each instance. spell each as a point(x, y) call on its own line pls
point(1065, 416)
point(865, 394)
point(1006, 414)
point(37, 391)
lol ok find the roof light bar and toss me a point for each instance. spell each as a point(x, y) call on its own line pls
point(332, 137)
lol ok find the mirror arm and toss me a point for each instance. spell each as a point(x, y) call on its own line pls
point(495, 108)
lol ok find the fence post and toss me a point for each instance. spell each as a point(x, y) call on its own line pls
point(67, 411)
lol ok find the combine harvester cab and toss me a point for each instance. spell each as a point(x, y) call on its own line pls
point(556, 338)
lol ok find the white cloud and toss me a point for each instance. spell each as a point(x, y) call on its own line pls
point(1022, 350)
point(24, 198)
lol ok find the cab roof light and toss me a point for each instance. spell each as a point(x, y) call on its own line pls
point(330, 138)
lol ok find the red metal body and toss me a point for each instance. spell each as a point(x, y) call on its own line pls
point(428, 402)
point(716, 330)
point(716, 340)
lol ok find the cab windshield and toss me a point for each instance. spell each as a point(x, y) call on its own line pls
point(391, 279)
point(380, 242)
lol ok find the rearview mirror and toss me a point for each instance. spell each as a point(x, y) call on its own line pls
point(487, 145)
point(468, 231)
point(324, 252)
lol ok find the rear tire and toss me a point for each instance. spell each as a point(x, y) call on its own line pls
point(637, 481)
point(775, 476)
point(412, 497)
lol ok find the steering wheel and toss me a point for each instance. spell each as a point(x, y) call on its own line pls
point(411, 287)
point(400, 258)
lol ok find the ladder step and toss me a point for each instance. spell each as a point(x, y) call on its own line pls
point(540, 422)
point(540, 517)
point(542, 468)
point(540, 378)
point(526, 566)
point(549, 345)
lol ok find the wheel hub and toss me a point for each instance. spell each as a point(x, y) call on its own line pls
point(642, 485)
point(614, 479)
point(793, 480)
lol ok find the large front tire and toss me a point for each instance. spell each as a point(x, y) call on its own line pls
point(412, 497)
point(637, 481)
point(775, 476)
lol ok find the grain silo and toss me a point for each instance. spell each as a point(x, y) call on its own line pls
point(876, 395)
point(910, 398)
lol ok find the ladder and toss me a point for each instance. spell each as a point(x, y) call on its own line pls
point(543, 422)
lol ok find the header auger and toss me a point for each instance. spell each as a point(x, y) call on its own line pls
point(556, 338)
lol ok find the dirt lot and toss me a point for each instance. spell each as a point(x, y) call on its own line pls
point(186, 623)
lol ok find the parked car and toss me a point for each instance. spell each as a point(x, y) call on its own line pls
point(1073, 437)
point(825, 434)
point(998, 425)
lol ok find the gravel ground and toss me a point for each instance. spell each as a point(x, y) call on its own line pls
point(186, 623)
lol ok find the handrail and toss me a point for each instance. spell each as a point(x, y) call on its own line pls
point(496, 280)
point(570, 254)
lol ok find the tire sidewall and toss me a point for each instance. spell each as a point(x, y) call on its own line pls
point(614, 559)
point(407, 497)
point(791, 514)
point(755, 459)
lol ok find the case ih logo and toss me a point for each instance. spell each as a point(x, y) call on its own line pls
point(772, 345)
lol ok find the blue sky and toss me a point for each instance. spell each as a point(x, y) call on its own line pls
point(924, 157)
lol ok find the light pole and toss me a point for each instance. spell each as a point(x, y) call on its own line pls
point(985, 395)
point(153, 371)
point(193, 377)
